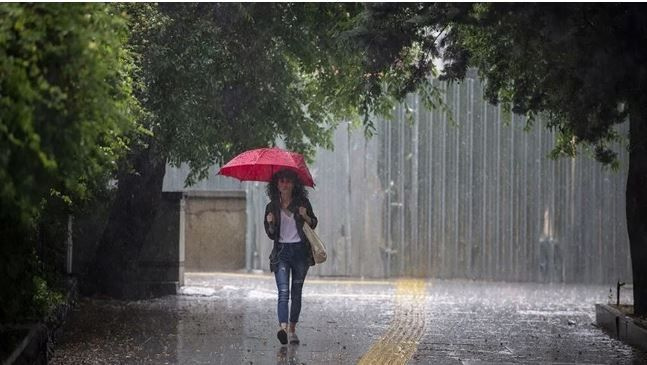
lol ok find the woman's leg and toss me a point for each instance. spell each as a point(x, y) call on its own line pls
point(299, 272)
point(282, 276)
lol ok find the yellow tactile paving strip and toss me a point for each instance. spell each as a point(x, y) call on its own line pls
point(401, 339)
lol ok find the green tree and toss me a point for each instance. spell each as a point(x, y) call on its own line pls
point(582, 65)
point(65, 108)
point(217, 79)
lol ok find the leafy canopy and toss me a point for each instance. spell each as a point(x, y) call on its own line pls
point(221, 78)
point(579, 64)
point(65, 101)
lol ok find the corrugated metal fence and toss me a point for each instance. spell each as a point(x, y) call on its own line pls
point(471, 195)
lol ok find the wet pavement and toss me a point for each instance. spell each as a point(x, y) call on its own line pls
point(231, 319)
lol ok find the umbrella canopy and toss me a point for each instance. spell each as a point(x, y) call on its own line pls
point(261, 164)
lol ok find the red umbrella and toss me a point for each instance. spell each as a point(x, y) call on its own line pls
point(260, 164)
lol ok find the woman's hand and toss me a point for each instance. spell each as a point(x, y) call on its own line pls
point(304, 214)
point(270, 218)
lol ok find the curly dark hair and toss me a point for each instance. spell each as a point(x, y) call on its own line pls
point(272, 189)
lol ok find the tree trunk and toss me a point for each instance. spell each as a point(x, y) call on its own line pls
point(637, 201)
point(131, 217)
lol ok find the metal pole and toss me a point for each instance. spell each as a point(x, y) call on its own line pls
point(402, 250)
point(182, 238)
point(249, 227)
point(389, 241)
point(69, 246)
point(430, 221)
point(524, 221)
point(415, 212)
point(443, 189)
point(485, 254)
point(457, 192)
point(470, 117)
point(348, 258)
point(511, 259)
point(497, 198)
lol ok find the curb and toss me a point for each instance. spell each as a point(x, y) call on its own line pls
point(37, 345)
point(620, 326)
point(31, 349)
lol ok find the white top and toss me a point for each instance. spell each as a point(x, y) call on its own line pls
point(289, 233)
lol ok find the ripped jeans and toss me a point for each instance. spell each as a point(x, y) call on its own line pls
point(292, 259)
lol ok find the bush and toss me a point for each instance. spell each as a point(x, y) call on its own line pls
point(66, 108)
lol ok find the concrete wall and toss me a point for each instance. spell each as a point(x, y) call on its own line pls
point(214, 235)
point(161, 268)
point(86, 233)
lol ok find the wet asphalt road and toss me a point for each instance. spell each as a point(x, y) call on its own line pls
point(231, 319)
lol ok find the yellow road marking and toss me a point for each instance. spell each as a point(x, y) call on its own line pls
point(401, 339)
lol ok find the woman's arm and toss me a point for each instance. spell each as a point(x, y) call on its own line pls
point(309, 215)
point(270, 228)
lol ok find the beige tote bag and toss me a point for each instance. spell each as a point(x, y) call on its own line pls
point(317, 246)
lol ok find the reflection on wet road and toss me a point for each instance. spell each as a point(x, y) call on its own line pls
point(231, 319)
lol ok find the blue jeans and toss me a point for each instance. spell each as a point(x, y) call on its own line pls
point(292, 259)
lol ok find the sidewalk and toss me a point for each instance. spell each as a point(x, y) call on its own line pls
point(231, 319)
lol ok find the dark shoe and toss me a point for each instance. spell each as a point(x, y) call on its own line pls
point(282, 335)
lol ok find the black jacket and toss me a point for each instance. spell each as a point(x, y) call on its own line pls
point(273, 230)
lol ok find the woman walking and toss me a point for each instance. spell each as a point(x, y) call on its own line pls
point(286, 213)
